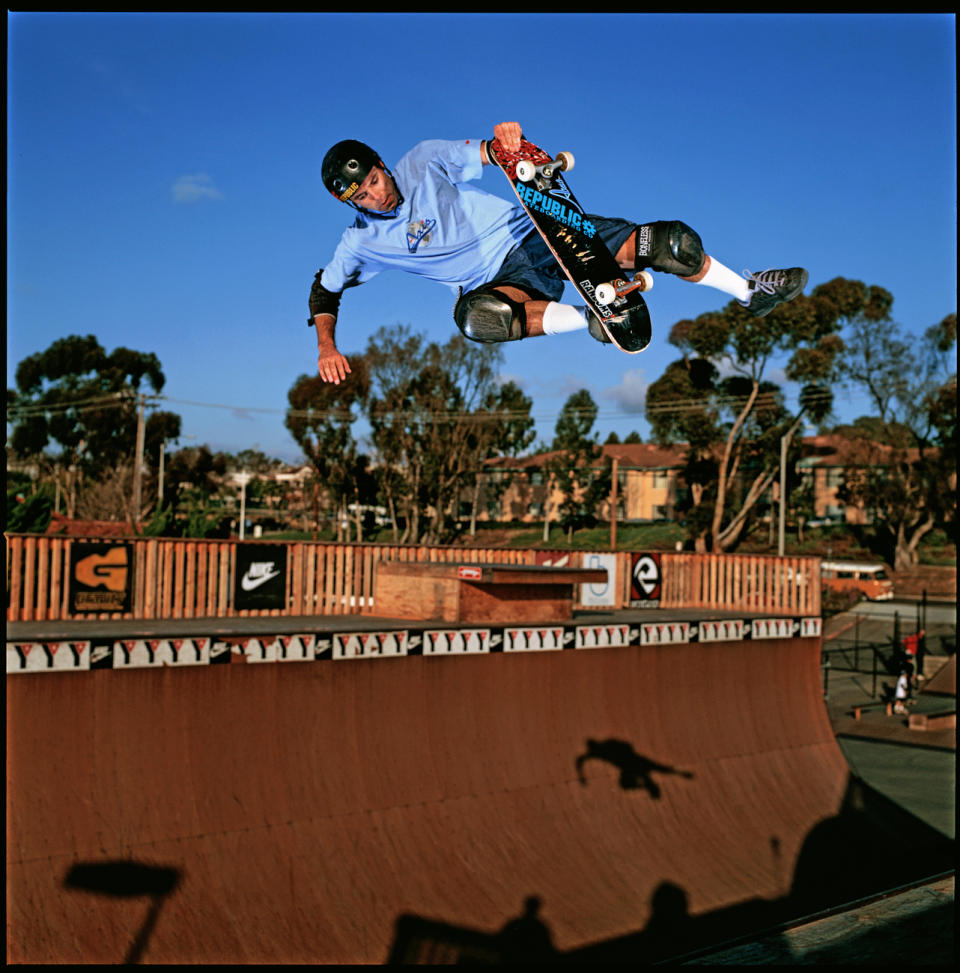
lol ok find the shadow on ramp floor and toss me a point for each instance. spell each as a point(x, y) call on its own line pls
point(871, 846)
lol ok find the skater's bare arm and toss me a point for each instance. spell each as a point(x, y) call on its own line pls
point(333, 367)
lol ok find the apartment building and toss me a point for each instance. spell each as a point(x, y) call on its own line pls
point(521, 489)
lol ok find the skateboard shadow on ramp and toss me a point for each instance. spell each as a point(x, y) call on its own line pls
point(870, 846)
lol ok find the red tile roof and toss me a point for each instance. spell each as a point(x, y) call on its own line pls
point(68, 527)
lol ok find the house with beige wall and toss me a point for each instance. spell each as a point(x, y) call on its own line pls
point(521, 489)
point(650, 481)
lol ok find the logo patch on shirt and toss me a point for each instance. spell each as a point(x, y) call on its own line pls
point(419, 232)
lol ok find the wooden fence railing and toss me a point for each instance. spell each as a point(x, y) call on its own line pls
point(180, 578)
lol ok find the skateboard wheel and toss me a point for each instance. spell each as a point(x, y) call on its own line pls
point(647, 279)
point(566, 161)
point(526, 170)
point(606, 293)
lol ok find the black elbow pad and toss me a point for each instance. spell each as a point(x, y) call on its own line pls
point(322, 301)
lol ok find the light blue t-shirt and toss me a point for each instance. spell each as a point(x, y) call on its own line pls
point(445, 230)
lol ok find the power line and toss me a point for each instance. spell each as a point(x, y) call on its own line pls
point(18, 413)
point(114, 400)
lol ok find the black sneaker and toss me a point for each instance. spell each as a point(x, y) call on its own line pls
point(596, 329)
point(630, 331)
point(773, 287)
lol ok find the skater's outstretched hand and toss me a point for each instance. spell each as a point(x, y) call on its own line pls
point(332, 366)
point(508, 134)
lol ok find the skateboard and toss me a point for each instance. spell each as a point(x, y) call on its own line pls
point(538, 182)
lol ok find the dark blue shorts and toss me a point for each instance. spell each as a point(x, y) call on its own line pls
point(531, 266)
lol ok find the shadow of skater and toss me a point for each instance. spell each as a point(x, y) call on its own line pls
point(669, 919)
point(635, 770)
point(527, 937)
point(127, 879)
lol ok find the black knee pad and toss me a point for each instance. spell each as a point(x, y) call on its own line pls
point(671, 247)
point(487, 315)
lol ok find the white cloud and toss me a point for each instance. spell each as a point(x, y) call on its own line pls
point(631, 394)
point(519, 380)
point(193, 188)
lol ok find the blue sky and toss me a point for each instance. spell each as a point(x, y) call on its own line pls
point(164, 191)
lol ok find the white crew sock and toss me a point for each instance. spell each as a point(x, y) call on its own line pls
point(560, 318)
point(724, 279)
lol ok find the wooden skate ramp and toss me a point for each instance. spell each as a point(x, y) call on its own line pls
point(350, 811)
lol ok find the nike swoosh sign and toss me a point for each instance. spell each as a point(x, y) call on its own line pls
point(250, 583)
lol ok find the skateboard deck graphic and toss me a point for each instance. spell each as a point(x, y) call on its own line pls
point(538, 182)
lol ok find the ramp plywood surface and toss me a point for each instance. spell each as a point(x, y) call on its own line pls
point(944, 681)
point(638, 797)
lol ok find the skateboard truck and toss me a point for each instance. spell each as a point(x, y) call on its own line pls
point(543, 172)
point(612, 292)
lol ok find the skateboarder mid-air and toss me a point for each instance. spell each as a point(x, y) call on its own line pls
point(426, 217)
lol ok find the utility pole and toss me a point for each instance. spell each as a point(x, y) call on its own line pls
point(163, 444)
point(138, 468)
point(613, 504)
point(244, 478)
point(781, 538)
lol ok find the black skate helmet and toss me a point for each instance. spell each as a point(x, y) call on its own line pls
point(345, 167)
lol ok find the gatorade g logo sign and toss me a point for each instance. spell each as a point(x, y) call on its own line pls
point(646, 581)
point(101, 577)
